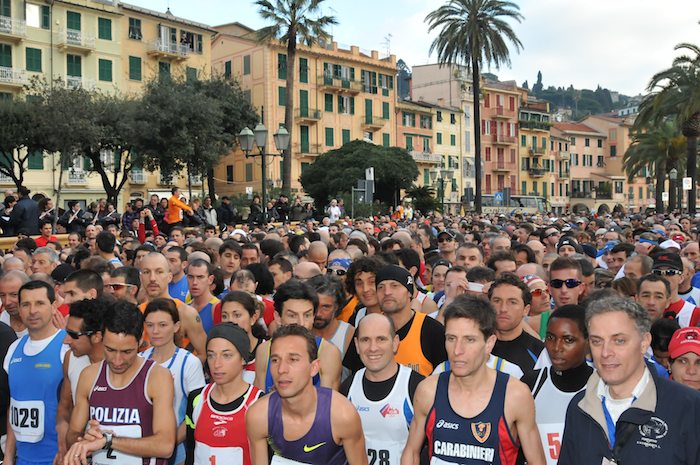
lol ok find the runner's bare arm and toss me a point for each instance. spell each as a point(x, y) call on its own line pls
point(422, 402)
point(347, 430)
point(65, 405)
point(81, 410)
point(520, 406)
point(331, 366)
point(256, 429)
point(261, 365)
point(10, 443)
point(194, 330)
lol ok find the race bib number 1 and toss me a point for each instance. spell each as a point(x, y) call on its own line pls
point(113, 457)
point(27, 420)
point(207, 455)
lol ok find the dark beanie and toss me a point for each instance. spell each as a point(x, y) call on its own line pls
point(235, 335)
point(395, 273)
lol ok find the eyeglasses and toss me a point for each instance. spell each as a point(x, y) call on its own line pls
point(77, 334)
point(445, 239)
point(338, 272)
point(119, 287)
point(538, 292)
point(667, 272)
point(570, 283)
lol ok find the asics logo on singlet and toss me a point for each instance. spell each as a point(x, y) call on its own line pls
point(15, 360)
point(99, 389)
point(446, 425)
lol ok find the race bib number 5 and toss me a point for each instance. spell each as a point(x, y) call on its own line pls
point(113, 457)
point(207, 455)
point(27, 420)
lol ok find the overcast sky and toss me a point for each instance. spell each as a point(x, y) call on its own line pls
point(618, 44)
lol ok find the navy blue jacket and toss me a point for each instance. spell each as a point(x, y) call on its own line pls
point(661, 426)
point(25, 216)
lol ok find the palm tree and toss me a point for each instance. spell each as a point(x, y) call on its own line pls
point(675, 93)
point(661, 148)
point(475, 33)
point(293, 21)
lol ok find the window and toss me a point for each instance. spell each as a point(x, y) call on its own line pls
point(35, 161)
point(328, 102)
point(303, 70)
point(163, 69)
point(135, 68)
point(523, 140)
point(369, 81)
point(439, 116)
point(246, 65)
point(409, 119)
point(74, 65)
point(346, 105)
point(385, 110)
point(613, 150)
point(247, 96)
point(641, 193)
point(439, 138)
point(618, 187)
point(600, 143)
point(191, 74)
point(248, 172)
point(523, 187)
point(600, 163)
point(104, 68)
point(281, 96)
point(453, 140)
point(426, 122)
point(453, 118)
point(281, 66)
point(304, 138)
point(573, 141)
point(386, 139)
point(304, 166)
point(544, 142)
point(33, 56)
point(135, 29)
point(426, 177)
point(426, 145)
point(104, 28)
point(409, 143)
point(329, 137)
point(487, 154)
point(38, 15)
point(227, 69)
point(229, 174)
point(346, 136)
point(73, 20)
point(613, 134)
point(486, 127)
point(587, 142)
point(193, 42)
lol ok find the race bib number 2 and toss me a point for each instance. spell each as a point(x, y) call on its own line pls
point(207, 455)
point(27, 420)
point(113, 457)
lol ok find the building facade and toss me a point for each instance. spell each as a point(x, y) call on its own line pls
point(537, 164)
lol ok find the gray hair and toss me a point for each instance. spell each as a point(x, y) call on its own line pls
point(632, 309)
point(53, 255)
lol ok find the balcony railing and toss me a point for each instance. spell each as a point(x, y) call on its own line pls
point(308, 114)
point(5, 179)
point(77, 176)
point(72, 38)
point(76, 82)
point(167, 48)
point(13, 76)
point(503, 139)
point(582, 195)
point(537, 150)
point(502, 165)
point(425, 157)
point(530, 124)
point(13, 27)
point(373, 122)
point(536, 172)
point(502, 112)
point(314, 149)
point(339, 84)
point(137, 177)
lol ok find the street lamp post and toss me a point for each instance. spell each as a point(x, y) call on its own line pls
point(258, 136)
point(673, 191)
point(442, 176)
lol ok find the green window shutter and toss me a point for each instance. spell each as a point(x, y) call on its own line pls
point(73, 20)
point(386, 139)
point(352, 105)
point(304, 137)
point(453, 140)
point(281, 96)
point(104, 28)
point(368, 110)
point(45, 17)
point(87, 164)
point(33, 59)
point(439, 138)
point(409, 143)
point(346, 136)
point(385, 110)
point(329, 137)
point(227, 69)
point(523, 188)
point(328, 102)
point(6, 8)
point(523, 140)
point(426, 177)
point(281, 66)
point(163, 69)
point(229, 174)
point(35, 161)
point(191, 74)
point(304, 102)
point(303, 70)
point(6, 55)
point(248, 172)
point(74, 65)
point(246, 65)
point(105, 70)
point(454, 185)
point(544, 144)
point(534, 142)
point(304, 166)
point(135, 68)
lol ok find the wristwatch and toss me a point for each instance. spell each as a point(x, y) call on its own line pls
point(108, 441)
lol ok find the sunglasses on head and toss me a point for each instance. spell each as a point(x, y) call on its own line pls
point(119, 287)
point(338, 272)
point(667, 272)
point(77, 334)
point(570, 283)
point(538, 292)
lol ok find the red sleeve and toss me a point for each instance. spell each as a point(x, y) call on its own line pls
point(695, 317)
point(216, 313)
point(142, 232)
point(64, 309)
point(269, 314)
point(154, 227)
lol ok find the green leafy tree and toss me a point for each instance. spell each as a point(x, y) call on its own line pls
point(537, 87)
point(475, 33)
point(20, 135)
point(675, 93)
point(292, 21)
point(339, 170)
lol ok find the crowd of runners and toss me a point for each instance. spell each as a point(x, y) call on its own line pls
point(494, 339)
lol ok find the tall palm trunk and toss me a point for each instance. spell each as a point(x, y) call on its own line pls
point(660, 173)
point(476, 92)
point(691, 130)
point(289, 114)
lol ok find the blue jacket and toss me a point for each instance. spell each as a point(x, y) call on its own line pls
point(661, 426)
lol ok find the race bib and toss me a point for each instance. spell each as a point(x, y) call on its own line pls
point(277, 460)
point(551, 435)
point(114, 457)
point(207, 455)
point(386, 456)
point(27, 420)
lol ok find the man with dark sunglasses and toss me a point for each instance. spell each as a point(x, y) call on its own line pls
point(670, 266)
point(125, 283)
point(550, 239)
point(566, 281)
point(447, 246)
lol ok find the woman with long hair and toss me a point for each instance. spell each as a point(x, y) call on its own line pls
point(244, 309)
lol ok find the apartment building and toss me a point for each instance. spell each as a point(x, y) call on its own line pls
point(537, 164)
point(106, 45)
point(343, 93)
point(559, 149)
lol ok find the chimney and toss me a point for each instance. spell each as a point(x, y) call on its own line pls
point(441, 102)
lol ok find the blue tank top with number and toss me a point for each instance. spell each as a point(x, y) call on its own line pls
point(269, 383)
point(35, 384)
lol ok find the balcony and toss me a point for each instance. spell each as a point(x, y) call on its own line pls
point(165, 50)
point(502, 165)
point(537, 125)
point(502, 139)
point(536, 172)
point(196, 180)
point(582, 195)
point(12, 77)
point(307, 149)
point(340, 85)
point(5, 179)
point(77, 176)
point(77, 82)
point(501, 113)
point(537, 151)
point(565, 156)
point(373, 123)
point(564, 173)
point(12, 29)
point(72, 40)
point(138, 177)
point(426, 157)
point(307, 115)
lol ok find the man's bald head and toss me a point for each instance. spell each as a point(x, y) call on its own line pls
point(12, 275)
point(404, 237)
point(12, 264)
point(304, 271)
point(532, 268)
point(378, 321)
point(155, 257)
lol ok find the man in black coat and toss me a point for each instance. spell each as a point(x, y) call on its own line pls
point(224, 214)
point(25, 213)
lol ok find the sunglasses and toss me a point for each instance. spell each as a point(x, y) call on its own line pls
point(570, 283)
point(119, 287)
point(667, 272)
point(445, 239)
point(338, 272)
point(77, 334)
point(538, 292)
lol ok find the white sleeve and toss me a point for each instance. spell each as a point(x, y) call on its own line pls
point(194, 374)
point(8, 356)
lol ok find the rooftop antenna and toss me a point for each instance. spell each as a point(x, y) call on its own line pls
point(387, 43)
point(334, 13)
point(167, 11)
